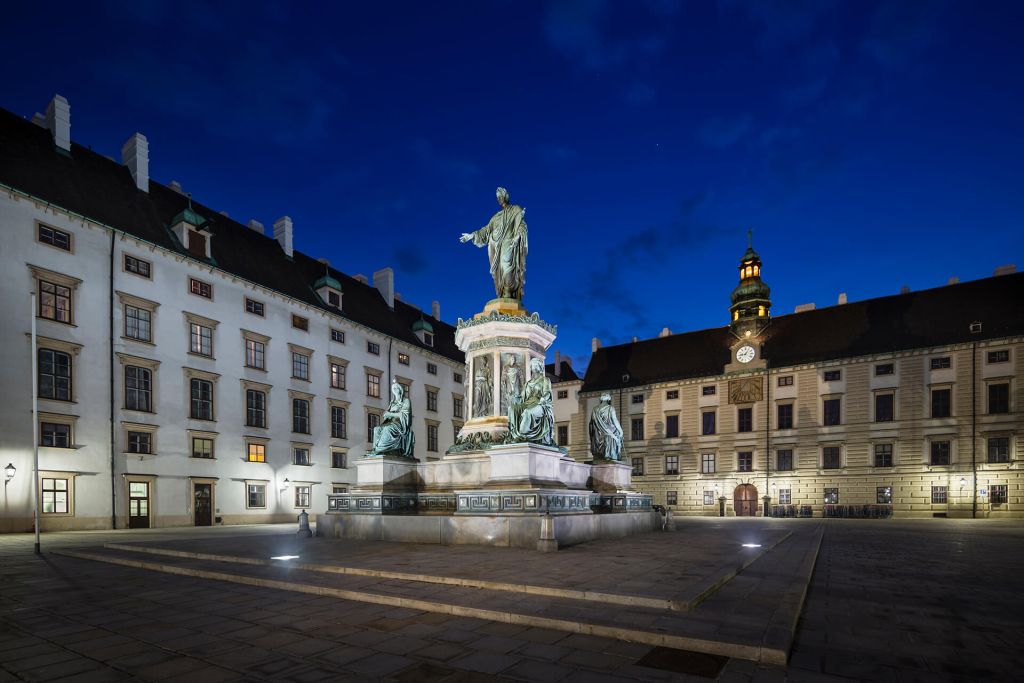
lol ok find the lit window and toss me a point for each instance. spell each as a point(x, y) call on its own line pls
point(939, 495)
point(337, 376)
point(202, 447)
point(302, 496)
point(257, 452)
point(831, 496)
point(403, 359)
point(709, 497)
point(883, 495)
point(372, 385)
point(785, 496)
point(300, 323)
point(200, 288)
point(201, 340)
point(255, 354)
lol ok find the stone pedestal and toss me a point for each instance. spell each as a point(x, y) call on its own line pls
point(386, 473)
point(610, 476)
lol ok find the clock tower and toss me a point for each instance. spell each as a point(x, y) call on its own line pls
point(750, 313)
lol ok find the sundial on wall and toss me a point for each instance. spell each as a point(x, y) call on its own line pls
point(745, 390)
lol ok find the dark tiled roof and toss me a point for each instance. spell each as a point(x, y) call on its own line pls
point(103, 190)
point(567, 374)
point(931, 317)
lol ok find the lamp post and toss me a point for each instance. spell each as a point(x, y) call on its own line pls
point(9, 472)
point(35, 423)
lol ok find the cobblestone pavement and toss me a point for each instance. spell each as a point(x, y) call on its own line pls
point(929, 600)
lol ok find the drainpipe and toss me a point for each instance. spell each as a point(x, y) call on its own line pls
point(113, 437)
point(974, 429)
point(767, 440)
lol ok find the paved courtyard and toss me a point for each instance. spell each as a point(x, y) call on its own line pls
point(899, 600)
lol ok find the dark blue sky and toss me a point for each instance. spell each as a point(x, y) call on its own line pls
point(869, 145)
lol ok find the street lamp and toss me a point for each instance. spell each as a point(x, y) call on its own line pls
point(9, 472)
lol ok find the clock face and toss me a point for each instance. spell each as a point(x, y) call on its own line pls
point(745, 353)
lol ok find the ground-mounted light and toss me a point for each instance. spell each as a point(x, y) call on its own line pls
point(285, 557)
point(751, 545)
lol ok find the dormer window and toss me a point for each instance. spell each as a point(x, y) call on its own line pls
point(424, 331)
point(428, 338)
point(329, 290)
point(193, 231)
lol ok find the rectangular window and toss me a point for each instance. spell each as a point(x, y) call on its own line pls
point(372, 422)
point(1001, 356)
point(431, 368)
point(707, 419)
point(830, 409)
point(784, 459)
point(257, 452)
point(337, 376)
point(257, 495)
point(785, 381)
point(339, 422)
point(939, 495)
point(432, 438)
point(638, 467)
point(884, 369)
point(337, 336)
point(745, 420)
point(709, 497)
point(339, 460)
point(300, 366)
point(884, 407)
point(831, 458)
point(197, 244)
point(999, 449)
point(201, 339)
point(833, 375)
point(998, 398)
point(671, 426)
point(941, 402)
point(745, 461)
point(997, 494)
point(54, 375)
point(708, 390)
point(940, 453)
point(373, 348)
point(202, 447)
point(300, 456)
point(785, 496)
point(431, 401)
point(138, 388)
point(254, 307)
point(883, 495)
point(831, 496)
point(373, 385)
point(200, 288)
point(883, 455)
point(671, 498)
point(563, 435)
point(137, 266)
point(255, 354)
point(707, 463)
point(255, 408)
point(54, 302)
point(201, 405)
point(563, 393)
point(457, 377)
point(672, 395)
point(637, 399)
point(302, 496)
point(784, 419)
point(300, 323)
point(637, 429)
point(139, 443)
point(333, 299)
point(55, 434)
point(940, 363)
point(428, 339)
point(55, 496)
point(138, 323)
point(671, 464)
point(54, 237)
point(403, 358)
point(457, 406)
point(300, 416)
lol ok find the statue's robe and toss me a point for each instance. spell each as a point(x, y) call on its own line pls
point(506, 240)
point(394, 436)
point(532, 420)
point(483, 391)
point(605, 433)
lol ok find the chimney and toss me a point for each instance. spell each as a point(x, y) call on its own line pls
point(359, 277)
point(135, 155)
point(58, 120)
point(558, 363)
point(665, 332)
point(384, 281)
point(435, 309)
point(804, 307)
point(842, 298)
point(595, 344)
point(398, 296)
point(1008, 269)
point(176, 186)
point(39, 120)
point(905, 289)
point(283, 234)
point(256, 226)
point(635, 339)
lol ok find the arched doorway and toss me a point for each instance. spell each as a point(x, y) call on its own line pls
point(744, 500)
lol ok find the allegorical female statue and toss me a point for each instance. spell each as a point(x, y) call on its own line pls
point(531, 419)
point(511, 381)
point(394, 436)
point(483, 387)
point(605, 431)
point(505, 237)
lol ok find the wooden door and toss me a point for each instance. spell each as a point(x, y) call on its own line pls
point(204, 504)
point(138, 505)
point(745, 500)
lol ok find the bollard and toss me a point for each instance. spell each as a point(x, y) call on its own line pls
point(547, 543)
point(304, 531)
point(670, 523)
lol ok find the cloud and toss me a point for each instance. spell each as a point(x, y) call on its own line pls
point(725, 132)
point(903, 30)
point(781, 22)
point(410, 260)
point(582, 31)
point(639, 94)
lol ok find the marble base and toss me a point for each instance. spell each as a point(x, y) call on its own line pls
point(610, 476)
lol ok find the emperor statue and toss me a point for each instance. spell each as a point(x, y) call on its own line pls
point(394, 435)
point(605, 431)
point(531, 417)
point(505, 237)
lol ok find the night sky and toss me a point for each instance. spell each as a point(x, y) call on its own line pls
point(869, 145)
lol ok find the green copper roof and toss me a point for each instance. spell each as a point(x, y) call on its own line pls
point(750, 255)
point(327, 281)
point(422, 324)
point(189, 216)
point(751, 290)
